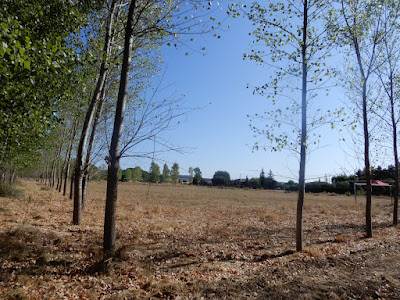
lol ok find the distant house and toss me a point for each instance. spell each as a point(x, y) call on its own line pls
point(184, 179)
point(238, 183)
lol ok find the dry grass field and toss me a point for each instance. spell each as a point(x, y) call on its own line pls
point(188, 242)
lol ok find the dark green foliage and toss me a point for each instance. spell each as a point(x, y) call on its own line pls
point(174, 173)
point(262, 179)
point(197, 176)
point(35, 72)
point(254, 183)
point(145, 176)
point(165, 176)
point(291, 186)
point(319, 187)
point(270, 182)
point(154, 172)
point(221, 178)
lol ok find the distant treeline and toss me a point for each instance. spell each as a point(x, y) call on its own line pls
point(341, 184)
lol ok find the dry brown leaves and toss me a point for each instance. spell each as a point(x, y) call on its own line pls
point(187, 242)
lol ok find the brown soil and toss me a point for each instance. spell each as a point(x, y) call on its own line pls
point(184, 242)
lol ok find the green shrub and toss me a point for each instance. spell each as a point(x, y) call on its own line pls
point(7, 190)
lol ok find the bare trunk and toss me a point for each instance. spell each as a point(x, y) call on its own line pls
point(53, 174)
point(368, 219)
point(71, 188)
point(113, 166)
point(46, 172)
point(88, 121)
point(84, 189)
point(12, 176)
point(61, 178)
point(302, 171)
point(85, 177)
point(68, 159)
point(396, 158)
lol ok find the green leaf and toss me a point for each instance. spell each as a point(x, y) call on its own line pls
point(27, 65)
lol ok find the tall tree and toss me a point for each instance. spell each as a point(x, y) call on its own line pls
point(290, 37)
point(389, 76)
point(99, 86)
point(361, 30)
point(262, 178)
point(197, 176)
point(175, 173)
point(165, 174)
point(154, 172)
point(147, 23)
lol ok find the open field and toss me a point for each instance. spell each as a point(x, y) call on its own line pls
point(188, 242)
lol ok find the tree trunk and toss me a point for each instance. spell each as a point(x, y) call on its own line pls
point(302, 171)
point(53, 172)
point(12, 176)
point(86, 169)
point(396, 158)
point(71, 188)
point(113, 165)
point(88, 120)
point(368, 205)
point(69, 153)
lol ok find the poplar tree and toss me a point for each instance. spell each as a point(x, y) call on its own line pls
point(290, 37)
point(360, 27)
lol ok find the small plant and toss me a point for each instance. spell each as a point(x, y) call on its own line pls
point(340, 238)
point(348, 193)
point(313, 252)
point(7, 190)
point(45, 188)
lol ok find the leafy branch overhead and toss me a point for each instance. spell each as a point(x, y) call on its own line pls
point(278, 45)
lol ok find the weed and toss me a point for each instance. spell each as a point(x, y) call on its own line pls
point(7, 190)
point(313, 252)
point(45, 188)
point(340, 238)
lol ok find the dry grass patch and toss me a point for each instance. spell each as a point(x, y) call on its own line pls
point(184, 242)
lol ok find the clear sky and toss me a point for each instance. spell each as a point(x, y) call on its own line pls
point(219, 133)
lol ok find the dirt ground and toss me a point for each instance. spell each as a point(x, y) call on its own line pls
point(188, 242)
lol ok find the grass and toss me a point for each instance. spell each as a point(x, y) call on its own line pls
point(7, 190)
point(173, 241)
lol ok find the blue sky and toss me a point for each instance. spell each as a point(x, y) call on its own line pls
point(219, 133)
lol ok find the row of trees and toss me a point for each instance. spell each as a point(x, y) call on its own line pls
point(77, 87)
point(298, 40)
point(76, 83)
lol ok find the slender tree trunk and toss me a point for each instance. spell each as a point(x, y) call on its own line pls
point(368, 195)
point(88, 120)
point(45, 175)
point(53, 172)
point(59, 174)
point(113, 166)
point(69, 153)
point(302, 171)
point(396, 158)
point(368, 206)
point(66, 161)
point(12, 176)
point(71, 187)
point(86, 169)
